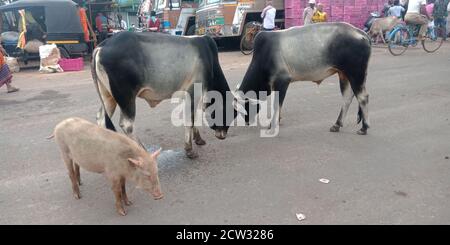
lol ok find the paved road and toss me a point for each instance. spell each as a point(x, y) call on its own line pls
point(398, 174)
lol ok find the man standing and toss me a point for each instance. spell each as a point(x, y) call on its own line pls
point(319, 14)
point(440, 15)
point(268, 15)
point(101, 23)
point(309, 12)
point(386, 7)
point(122, 23)
point(154, 24)
point(417, 14)
point(396, 10)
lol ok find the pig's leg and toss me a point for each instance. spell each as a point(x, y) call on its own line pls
point(124, 192)
point(73, 177)
point(77, 172)
point(117, 189)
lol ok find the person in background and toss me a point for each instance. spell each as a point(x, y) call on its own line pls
point(440, 14)
point(308, 12)
point(5, 73)
point(101, 23)
point(122, 23)
point(386, 7)
point(430, 7)
point(397, 10)
point(154, 24)
point(319, 14)
point(268, 15)
point(417, 14)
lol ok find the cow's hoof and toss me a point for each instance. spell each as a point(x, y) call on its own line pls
point(200, 142)
point(335, 128)
point(127, 202)
point(77, 196)
point(191, 154)
point(362, 131)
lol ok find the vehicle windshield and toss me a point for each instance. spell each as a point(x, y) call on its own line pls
point(204, 3)
point(34, 18)
point(162, 4)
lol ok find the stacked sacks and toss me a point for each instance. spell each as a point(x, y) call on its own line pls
point(12, 64)
point(354, 12)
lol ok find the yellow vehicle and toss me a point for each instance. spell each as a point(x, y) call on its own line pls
point(232, 18)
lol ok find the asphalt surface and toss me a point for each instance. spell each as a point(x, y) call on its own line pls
point(397, 174)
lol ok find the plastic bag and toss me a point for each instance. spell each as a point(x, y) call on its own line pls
point(50, 56)
point(12, 64)
point(10, 36)
point(33, 46)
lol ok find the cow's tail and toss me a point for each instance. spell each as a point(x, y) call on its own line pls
point(108, 122)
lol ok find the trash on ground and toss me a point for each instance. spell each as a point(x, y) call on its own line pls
point(301, 217)
point(325, 181)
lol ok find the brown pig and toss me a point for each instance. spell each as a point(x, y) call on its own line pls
point(95, 149)
point(381, 26)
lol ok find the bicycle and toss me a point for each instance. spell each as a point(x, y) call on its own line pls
point(251, 30)
point(405, 35)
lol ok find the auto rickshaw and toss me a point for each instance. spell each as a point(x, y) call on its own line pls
point(49, 21)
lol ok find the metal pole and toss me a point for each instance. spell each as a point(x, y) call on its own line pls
point(90, 12)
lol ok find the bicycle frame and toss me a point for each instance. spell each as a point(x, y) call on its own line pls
point(412, 32)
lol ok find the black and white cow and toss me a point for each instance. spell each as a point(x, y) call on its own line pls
point(154, 66)
point(311, 53)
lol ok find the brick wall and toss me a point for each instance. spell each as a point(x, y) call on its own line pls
point(351, 11)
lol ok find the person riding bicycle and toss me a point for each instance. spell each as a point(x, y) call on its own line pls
point(417, 15)
point(268, 15)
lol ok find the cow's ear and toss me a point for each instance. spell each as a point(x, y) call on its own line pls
point(156, 154)
point(135, 162)
point(239, 108)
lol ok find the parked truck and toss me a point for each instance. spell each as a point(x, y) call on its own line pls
point(177, 16)
point(231, 18)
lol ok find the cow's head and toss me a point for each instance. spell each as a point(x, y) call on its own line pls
point(248, 94)
point(222, 110)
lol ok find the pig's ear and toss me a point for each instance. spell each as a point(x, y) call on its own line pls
point(156, 154)
point(135, 162)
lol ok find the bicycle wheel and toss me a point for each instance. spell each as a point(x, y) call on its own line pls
point(434, 39)
point(247, 43)
point(399, 41)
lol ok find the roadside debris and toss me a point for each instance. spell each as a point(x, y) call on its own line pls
point(325, 181)
point(300, 216)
